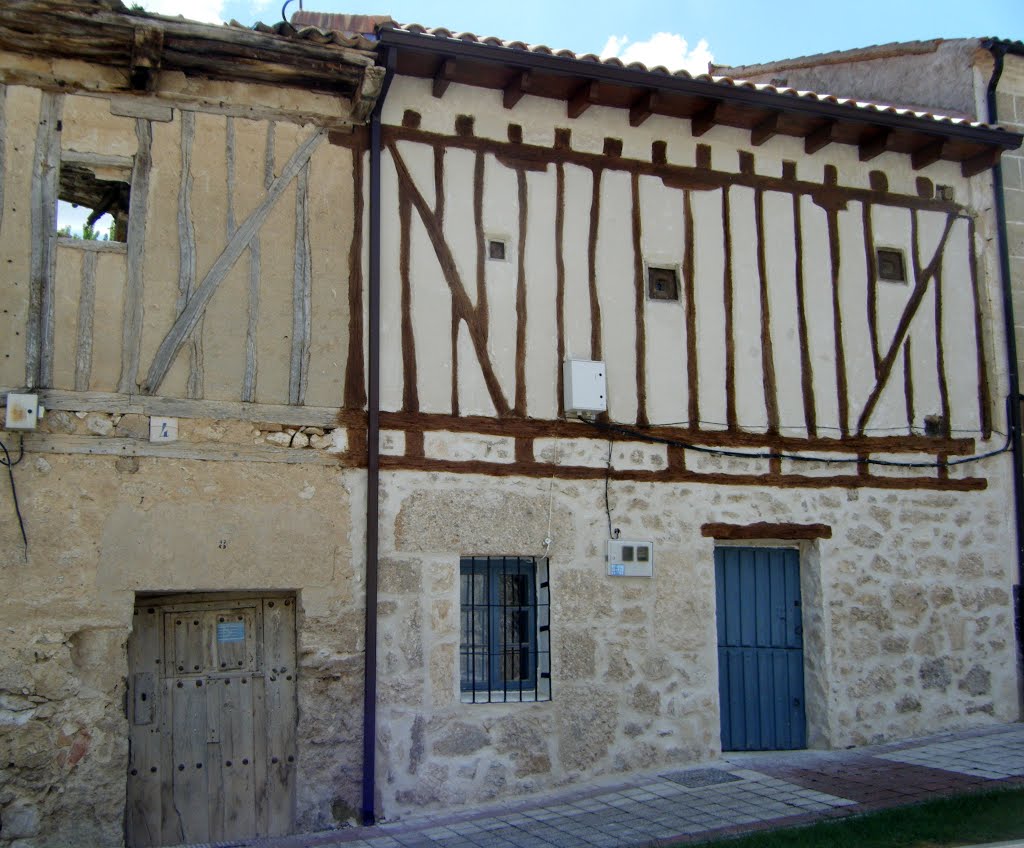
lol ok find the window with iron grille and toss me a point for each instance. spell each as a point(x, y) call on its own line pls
point(504, 650)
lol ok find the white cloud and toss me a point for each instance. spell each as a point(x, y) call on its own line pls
point(663, 48)
point(208, 11)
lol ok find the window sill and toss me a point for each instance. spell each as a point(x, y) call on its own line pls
point(501, 697)
point(98, 246)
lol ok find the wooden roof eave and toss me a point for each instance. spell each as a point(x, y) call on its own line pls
point(130, 40)
point(766, 113)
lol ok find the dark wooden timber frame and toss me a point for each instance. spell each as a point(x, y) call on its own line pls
point(582, 83)
point(511, 419)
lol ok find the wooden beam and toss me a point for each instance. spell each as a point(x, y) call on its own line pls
point(927, 154)
point(43, 216)
point(643, 107)
point(765, 530)
point(190, 316)
point(147, 50)
point(107, 446)
point(516, 88)
point(225, 410)
point(979, 163)
point(821, 137)
point(582, 99)
point(705, 119)
point(873, 143)
point(443, 77)
point(131, 325)
point(765, 130)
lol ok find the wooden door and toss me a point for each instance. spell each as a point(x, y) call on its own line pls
point(760, 649)
point(212, 712)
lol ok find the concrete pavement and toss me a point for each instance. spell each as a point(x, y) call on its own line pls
point(739, 793)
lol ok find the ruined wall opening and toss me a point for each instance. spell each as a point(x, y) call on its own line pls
point(93, 202)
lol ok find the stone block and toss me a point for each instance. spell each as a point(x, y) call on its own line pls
point(460, 739)
point(977, 681)
point(586, 732)
point(576, 655)
point(935, 674)
point(400, 577)
point(1014, 205)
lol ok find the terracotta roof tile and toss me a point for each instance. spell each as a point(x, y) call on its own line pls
point(442, 34)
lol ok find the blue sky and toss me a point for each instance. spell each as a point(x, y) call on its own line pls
point(736, 32)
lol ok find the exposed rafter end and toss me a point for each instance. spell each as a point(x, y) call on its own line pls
point(823, 136)
point(516, 88)
point(927, 154)
point(643, 107)
point(147, 50)
point(977, 164)
point(705, 119)
point(445, 74)
point(765, 130)
point(582, 99)
point(873, 143)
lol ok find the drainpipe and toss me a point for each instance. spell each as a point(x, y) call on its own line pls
point(998, 52)
point(373, 460)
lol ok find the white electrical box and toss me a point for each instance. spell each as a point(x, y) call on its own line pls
point(23, 411)
point(629, 558)
point(586, 387)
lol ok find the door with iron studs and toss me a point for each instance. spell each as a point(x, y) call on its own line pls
point(212, 714)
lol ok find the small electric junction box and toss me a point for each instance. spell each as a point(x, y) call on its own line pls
point(629, 558)
point(24, 412)
point(586, 389)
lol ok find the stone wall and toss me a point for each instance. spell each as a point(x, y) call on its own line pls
point(102, 529)
point(907, 625)
point(1010, 106)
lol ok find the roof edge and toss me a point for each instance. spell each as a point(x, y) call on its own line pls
point(517, 54)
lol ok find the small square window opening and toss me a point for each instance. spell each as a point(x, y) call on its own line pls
point(891, 265)
point(504, 649)
point(662, 284)
point(496, 249)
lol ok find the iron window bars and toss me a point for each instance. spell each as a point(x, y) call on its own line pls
point(505, 649)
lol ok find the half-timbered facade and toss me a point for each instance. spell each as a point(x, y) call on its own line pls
point(309, 529)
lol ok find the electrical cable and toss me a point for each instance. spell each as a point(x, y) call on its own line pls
point(794, 457)
point(14, 491)
point(607, 478)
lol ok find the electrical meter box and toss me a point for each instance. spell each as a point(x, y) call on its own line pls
point(585, 386)
point(628, 558)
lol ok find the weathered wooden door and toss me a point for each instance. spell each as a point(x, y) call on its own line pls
point(760, 649)
point(212, 711)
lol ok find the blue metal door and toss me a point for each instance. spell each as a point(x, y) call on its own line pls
point(760, 649)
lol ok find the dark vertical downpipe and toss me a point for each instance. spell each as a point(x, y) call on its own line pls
point(1013, 401)
point(373, 460)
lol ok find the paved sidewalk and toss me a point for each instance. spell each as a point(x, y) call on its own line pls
point(739, 793)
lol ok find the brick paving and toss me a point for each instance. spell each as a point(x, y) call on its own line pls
point(737, 794)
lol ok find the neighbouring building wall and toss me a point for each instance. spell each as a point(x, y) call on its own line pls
point(229, 308)
point(927, 75)
point(1010, 107)
point(782, 330)
point(103, 529)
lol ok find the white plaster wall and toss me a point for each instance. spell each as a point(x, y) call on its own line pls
point(662, 243)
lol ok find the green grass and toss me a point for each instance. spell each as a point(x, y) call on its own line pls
point(964, 820)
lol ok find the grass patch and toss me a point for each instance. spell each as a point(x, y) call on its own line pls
point(984, 817)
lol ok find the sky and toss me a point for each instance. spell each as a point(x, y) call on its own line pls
point(675, 33)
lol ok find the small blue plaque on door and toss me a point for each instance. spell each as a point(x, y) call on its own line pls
point(231, 631)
